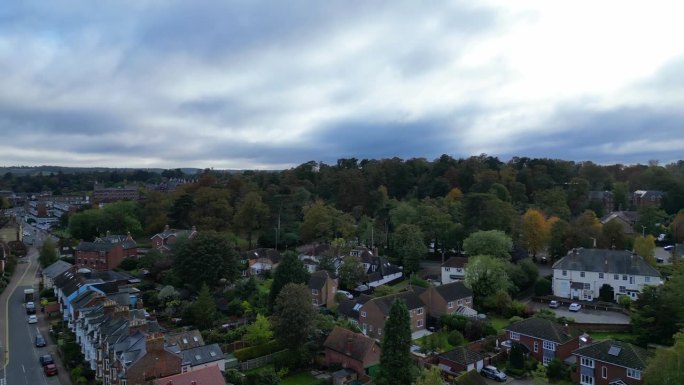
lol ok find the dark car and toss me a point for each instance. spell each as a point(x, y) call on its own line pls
point(50, 369)
point(493, 373)
point(46, 359)
point(40, 341)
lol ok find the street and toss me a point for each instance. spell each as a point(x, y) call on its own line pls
point(586, 315)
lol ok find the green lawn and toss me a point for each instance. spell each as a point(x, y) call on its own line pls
point(619, 336)
point(265, 286)
point(498, 323)
point(303, 378)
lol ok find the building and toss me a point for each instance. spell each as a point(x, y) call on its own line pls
point(201, 357)
point(51, 272)
point(105, 253)
point(351, 350)
point(604, 198)
point(103, 194)
point(379, 270)
point(374, 313)
point(459, 360)
point(610, 362)
point(260, 261)
point(544, 339)
point(323, 288)
point(445, 299)
point(453, 269)
point(643, 198)
point(626, 220)
point(581, 273)
point(143, 360)
point(164, 241)
point(206, 376)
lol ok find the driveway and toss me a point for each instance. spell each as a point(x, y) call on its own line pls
point(510, 381)
point(586, 315)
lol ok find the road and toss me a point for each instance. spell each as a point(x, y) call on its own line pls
point(586, 315)
point(21, 366)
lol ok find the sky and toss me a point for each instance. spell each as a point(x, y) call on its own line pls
point(272, 84)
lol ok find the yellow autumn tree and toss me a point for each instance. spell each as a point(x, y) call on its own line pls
point(535, 231)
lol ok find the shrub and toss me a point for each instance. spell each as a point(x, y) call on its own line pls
point(624, 301)
point(129, 264)
point(557, 371)
point(516, 357)
point(455, 338)
point(543, 287)
point(257, 351)
point(418, 281)
point(454, 322)
point(514, 319)
point(516, 308)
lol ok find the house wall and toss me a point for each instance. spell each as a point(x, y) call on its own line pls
point(375, 319)
point(561, 352)
point(220, 363)
point(155, 364)
point(438, 306)
point(100, 261)
point(333, 357)
point(561, 283)
point(458, 274)
point(613, 372)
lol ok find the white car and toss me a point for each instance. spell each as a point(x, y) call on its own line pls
point(32, 319)
point(347, 294)
point(575, 307)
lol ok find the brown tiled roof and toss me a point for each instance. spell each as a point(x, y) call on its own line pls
point(354, 345)
point(455, 262)
point(211, 375)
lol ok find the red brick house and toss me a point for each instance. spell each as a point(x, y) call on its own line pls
point(545, 339)
point(105, 253)
point(351, 350)
point(445, 299)
point(149, 362)
point(210, 375)
point(459, 360)
point(164, 240)
point(323, 288)
point(610, 362)
point(374, 313)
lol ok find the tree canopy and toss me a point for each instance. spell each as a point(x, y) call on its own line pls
point(494, 242)
point(396, 365)
point(206, 258)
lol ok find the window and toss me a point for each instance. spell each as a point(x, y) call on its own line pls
point(588, 362)
point(459, 302)
point(446, 269)
point(616, 277)
point(450, 305)
point(600, 275)
point(582, 274)
point(419, 323)
point(546, 360)
point(587, 380)
point(314, 291)
point(635, 374)
point(379, 331)
point(363, 314)
point(419, 311)
point(536, 346)
point(370, 327)
point(515, 336)
point(565, 272)
point(647, 279)
point(548, 345)
point(622, 289)
point(624, 277)
point(604, 372)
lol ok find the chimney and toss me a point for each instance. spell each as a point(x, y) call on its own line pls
point(109, 306)
point(166, 228)
point(349, 345)
point(137, 325)
point(107, 232)
point(154, 342)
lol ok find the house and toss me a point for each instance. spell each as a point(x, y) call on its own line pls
point(105, 253)
point(643, 198)
point(604, 198)
point(445, 299)
point(544, 339)
point(144, 359)
point(379, 270)
point(206, 376)
point(374, 313)
point(458, 360)
point(610, 362)
point(453, 269)
point(164, 241)
point(349, 309)
point(183, 340)
point(581, 273)
point(351, 350)
point(201, 357)
point(323, 288)
point(103, 194)
point(51, 272)
point(626, 220)
point(260, 261)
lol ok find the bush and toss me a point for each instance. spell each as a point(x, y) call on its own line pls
point(556, 371)
point(516, 357)
point(624, 301)
point(543, 287)
point(129, 264)
point(257, 351)
point(516, 308)
point(514, 319)
point(455, 338)
point(417, 281)
point(453, 322)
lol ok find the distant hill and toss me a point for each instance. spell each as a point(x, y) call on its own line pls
point(46, 170)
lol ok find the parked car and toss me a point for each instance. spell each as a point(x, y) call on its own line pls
point(574, 306)
point(668, 247)
point(554, 304)
point(30, 308)
point(492, 372)
point(40, 341)
point(660, 260)
point(346, 294)
point(46, 359)
point(32, 319)
point(50, 370)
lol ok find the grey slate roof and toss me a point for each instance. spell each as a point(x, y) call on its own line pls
point(346, 306)
point(606, 261)
point(453, 291)
point(542, 328)
point(410, 298)
point(95, 246)
point(124, 240)
point(630, 356)
point(317, 279)
point(202, 355)
point(463, 356)
point(56, 269)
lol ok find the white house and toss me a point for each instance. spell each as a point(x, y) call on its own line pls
point(453, 270)
point(581, 273)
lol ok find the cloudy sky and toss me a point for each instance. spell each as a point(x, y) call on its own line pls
point(272, 84)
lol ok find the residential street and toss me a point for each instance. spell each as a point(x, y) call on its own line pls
point(586, 315)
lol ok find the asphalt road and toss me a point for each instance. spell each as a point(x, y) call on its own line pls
point(586, 315)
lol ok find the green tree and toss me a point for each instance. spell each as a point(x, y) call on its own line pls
point(121, 218)
point(206, 258)
point(543, 287)
point(493, 242)
point(181, 210)
point(486, 275)
point(535, 231)
point(620, 196)
point(651, 220)
point(677, 227)
point(666, 367)
point(317, 224)
point(658, 312)
point(553, 202)
point(293, 315)
point(48, 253)
point(645, 247)
point(606, 293)
point(85, 225)
point(539, 375)
point(432, 376)
point(211, 209)
point(259, 332)
point(351, 272)
point(396, 365)
point(516, 356)
point(557, 238)
point(289, 270)
point(251, 215)
point(613, 236)
point(204, 309)
point(409, 247)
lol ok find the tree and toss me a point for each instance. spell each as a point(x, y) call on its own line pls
point(493, 242)
point(251, 215)
point(543, 287)
point(396, 365)
point(486, 275)
point(645, 247)
point(293, 315)
point(259, 332)
point(351, 272)
point(48, 253)
point(658, 312)
point(539, 375)
point(204, 309)
point(620, 196)
point(606, 293)
point(557, 238)
point(85, 225)
point(553, 202)
point(535, 231)
point(432, 376)
point(613, 236)
point(650, 220)
point(677, 227)
point(409, 247)
point(120, 218)
point(206, 258)
point(180, 211)
point(666, 367)
point(289, 270)
point(211, 209)
point(516, 356)
point(317, 224)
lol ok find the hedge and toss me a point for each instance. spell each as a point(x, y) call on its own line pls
point(252, 352)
